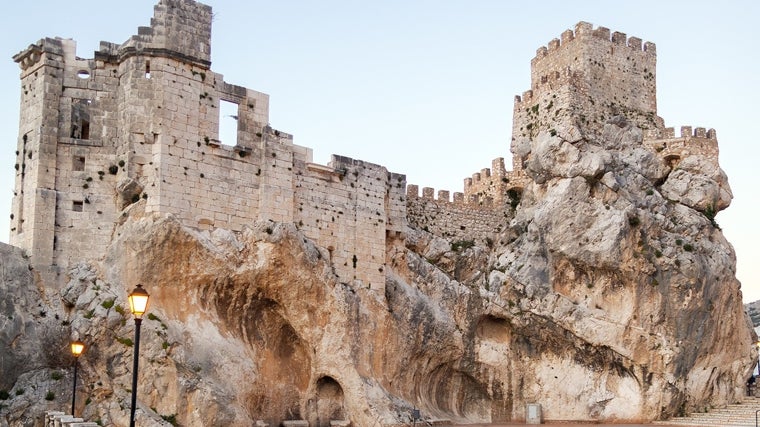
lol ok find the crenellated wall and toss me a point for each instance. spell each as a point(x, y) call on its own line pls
point(693, 141)
point(458, 219)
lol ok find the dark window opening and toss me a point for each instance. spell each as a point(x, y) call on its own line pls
point(80, 118)
point(147, 69)
point(77, 206)
point(78, 163)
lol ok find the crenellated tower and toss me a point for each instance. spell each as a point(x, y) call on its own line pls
point(584, 78)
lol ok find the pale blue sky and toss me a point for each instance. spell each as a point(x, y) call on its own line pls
point(426, 88)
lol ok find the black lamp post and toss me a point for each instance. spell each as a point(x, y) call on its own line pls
point(138, 304)
point(77, 347)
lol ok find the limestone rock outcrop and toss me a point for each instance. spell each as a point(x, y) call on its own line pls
point(602, 300)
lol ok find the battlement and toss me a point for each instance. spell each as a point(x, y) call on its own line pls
point(443, 197)
point(686, 132)
point(586, 30)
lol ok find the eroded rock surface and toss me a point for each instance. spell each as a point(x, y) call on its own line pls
point(610, 295)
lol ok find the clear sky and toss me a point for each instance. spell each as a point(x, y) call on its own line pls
point(426, 87)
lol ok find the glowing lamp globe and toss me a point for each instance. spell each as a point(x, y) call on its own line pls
point(138, 302)
point(77, 347)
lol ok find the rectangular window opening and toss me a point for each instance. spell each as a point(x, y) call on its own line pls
point(80, 118)
point(147, 69)
point(78, 163)
point(77, 206)
point(228, 122)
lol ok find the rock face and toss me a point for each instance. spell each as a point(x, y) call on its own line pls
point(603, 300)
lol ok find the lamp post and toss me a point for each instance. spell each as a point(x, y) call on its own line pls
point(138, 304)
point(77, 347)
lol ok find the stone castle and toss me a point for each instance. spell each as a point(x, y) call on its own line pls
point(140, 121)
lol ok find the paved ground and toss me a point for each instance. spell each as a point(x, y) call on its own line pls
point(566, 424)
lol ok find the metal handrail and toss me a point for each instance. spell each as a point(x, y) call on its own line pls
point(756, 412)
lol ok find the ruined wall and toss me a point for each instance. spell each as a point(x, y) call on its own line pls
point(67, 132)
point(349, 207)
point(141, 121)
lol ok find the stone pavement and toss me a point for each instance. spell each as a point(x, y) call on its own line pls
point(566, 424)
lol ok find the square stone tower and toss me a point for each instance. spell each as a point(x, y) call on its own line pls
point(581, 80)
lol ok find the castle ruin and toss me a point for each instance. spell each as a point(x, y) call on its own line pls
point(140, 122)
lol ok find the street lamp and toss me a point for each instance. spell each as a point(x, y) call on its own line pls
point(138, 304)
point(77, 347)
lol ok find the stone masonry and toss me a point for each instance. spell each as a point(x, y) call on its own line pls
point(140, 123)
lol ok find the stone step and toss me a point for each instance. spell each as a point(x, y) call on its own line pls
point(736, 415)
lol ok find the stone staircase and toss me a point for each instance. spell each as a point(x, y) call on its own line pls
point(738, 415)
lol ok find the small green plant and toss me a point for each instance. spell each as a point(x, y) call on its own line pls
point(89, 314)
point(650, 192)
point(50, 395)
point(113, 169)
point(107, 304)
point(119, 309)
point(125, 341)
point(710, 214)
point(634, 221)
point(20, 391)
point(121, 163)
point(171, 419)
point(688, 248)
point(56, 375)
point(152, 316)
point(462, 245)
point(165, 345)
point(679, 242)
point(658, 253)
point(4, 395)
